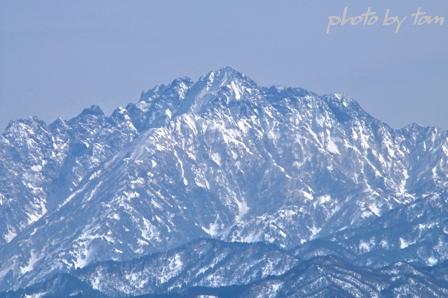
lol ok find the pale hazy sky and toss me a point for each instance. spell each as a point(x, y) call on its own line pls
point(57, 57)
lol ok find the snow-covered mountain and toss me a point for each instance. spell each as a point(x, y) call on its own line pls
point(416, 233)
point(206, 263)
point(221, 157)
point(165, 275)
point(332, 277)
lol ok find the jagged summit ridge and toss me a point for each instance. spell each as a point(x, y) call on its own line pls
point(225, 79)
point(221, 157)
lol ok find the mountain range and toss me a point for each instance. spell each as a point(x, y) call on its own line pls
point(223, 186)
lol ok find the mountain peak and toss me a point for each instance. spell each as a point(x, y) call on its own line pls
point(29, 123)
point(229, 71)
point(223, 83)
point(223, 76)
point(93, 110)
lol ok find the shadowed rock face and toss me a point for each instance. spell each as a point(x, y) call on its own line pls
point(220, 158)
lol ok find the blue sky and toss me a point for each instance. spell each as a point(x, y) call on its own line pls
point(57, 57)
